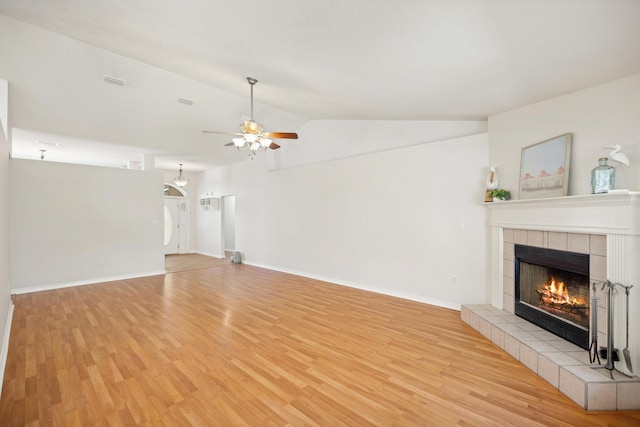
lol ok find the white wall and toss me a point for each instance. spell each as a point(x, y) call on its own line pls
point(207, 230)
point(5, 299)
point(66, 218)
point(599, 116)
point(402, 222)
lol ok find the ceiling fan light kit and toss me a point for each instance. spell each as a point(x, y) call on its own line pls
point(253, 137)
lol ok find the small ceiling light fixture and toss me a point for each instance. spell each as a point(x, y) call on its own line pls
point(180, 180)
point(42, 154)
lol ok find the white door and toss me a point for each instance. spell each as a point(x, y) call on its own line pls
point(176, 226)
point(183, 225)
point(170, 226)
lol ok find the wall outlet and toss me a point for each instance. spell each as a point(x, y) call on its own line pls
point(101, 261)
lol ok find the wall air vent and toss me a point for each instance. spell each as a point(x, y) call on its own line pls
point(114, 81)
point(185, 101)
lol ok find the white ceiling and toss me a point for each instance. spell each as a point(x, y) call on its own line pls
point(365, 59)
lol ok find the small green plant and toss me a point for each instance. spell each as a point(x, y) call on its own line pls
point(501, 194)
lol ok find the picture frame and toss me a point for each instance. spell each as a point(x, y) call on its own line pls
point(544, 168)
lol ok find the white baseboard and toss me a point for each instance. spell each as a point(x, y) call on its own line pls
point(93, 281)
point(4, 350)
point(211, 255)
point(377, 290)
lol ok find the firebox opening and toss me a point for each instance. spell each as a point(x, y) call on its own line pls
point(552, 291)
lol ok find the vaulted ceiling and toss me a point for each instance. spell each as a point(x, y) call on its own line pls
point(364, 59)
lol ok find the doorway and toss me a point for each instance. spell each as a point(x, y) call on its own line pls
point(176, 221)
point(228, 224)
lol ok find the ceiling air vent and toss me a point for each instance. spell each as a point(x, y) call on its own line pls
point(114, 81)
point(185, 101)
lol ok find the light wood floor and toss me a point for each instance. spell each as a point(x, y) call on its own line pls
point(238, 345)
point(184, 262)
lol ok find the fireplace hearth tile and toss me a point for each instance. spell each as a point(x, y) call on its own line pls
point(464, 314)
point(520, 237)
point(529, 357)
point(598, 244)
point(540, 346)
point(485, 327)
point(628, 396)
point(581, 356)
point(564, 346)
point(535, 238)
point(601, 396)
point(496, 320)
point(560, 363)
point(509, 268)
point(557, 240)
point(507, 235)
point(508, 327)
point(497, 336)
point(562, 359)
point(509, 251)
point(523, 336)
point(509, 286)
point(529, 327)
point(508, 303)
point(548, 370)
point(573, 387)
point(512, 346)
point(598, 267)
point(474, 321)
point(578, 243)
point(544, 335)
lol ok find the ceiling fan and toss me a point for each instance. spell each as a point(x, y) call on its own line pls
point(252, 136)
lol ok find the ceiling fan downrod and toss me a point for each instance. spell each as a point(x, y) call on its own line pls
point(252, 82)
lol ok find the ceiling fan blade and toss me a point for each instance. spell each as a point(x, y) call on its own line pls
point(222, 133)
point(280, 135)
point(274, 146)
point(229, 144)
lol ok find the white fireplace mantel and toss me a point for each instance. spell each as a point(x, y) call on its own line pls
point(594, 213)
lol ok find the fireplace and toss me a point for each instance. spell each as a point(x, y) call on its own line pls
point(552, 291)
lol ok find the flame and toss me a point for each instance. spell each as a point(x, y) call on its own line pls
point(555, 292)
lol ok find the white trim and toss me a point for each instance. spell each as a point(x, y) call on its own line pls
point(93, 281)
point(382, 291)
point(211, 255)
point(4, 350)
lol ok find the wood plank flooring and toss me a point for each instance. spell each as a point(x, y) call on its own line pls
point(238, 345)
point(175, 263)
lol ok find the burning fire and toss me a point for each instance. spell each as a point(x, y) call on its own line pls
point(556, 293)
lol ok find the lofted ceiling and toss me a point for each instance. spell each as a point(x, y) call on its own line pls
point(362, 59)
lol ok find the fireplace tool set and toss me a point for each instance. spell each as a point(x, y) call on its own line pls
point(609, 352)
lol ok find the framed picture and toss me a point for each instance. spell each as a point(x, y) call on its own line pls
point(544, 168)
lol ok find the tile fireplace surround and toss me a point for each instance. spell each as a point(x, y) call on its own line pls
point(605, 226)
